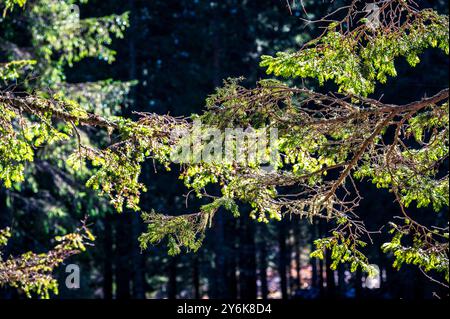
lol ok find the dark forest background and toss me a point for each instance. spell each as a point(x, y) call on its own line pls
point(179, 51)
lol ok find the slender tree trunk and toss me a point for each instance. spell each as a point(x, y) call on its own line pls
point(262, 262)
point(314, 232)
point(314, 273)
point(122, 269)
point(220, 288)
point(231, 256)
point(172, 284)
point(138, 259)
point(108, 259)
point(136, 229)
point(321, 264)
point(313, 261)
point(358, 284)
point(331, 285)
point(196, 275)
point(321, 281)
point(291, 259)
point(247, 258)
point(282, 258)
point(342, 287)
point(297, 245)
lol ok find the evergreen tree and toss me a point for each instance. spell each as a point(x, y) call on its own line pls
point(328, 142)
point(44, 39)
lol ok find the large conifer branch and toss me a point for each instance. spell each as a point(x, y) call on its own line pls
point(59, 110)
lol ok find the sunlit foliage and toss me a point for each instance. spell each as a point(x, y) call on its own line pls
point(327, 142)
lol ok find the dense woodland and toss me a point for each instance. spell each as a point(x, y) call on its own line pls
point(167, 57)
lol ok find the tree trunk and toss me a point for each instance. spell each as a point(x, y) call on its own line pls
point(314, 275)
point(342, 287)
point(136, 225)
point(172, 284)
point(196, 275)
point(262, 262)
point(137, 258)
point(297, 248)
point(331, 285)
point(321, 262)
point(358, 284)
point(247, 258)
point(220, 288)
point(108, 258)
point(282, 258)
point(122, 269)
point(231, 262)
point(314, 261)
